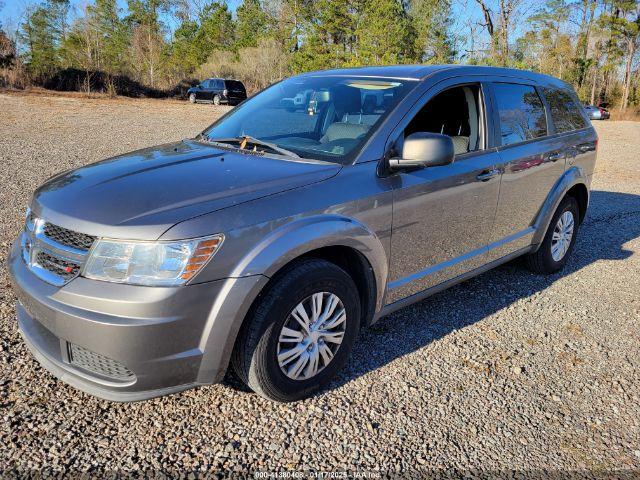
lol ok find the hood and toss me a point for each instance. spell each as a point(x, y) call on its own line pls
point(141, 194)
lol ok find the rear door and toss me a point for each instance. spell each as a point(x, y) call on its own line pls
point(572, 127)
point(205, 93)
point(532, 161)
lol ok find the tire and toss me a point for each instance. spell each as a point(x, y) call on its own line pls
point(545, 261)
point(216, 100)
point(192, 97)
point(259, 350)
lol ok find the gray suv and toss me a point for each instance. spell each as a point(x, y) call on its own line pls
point(262, 246)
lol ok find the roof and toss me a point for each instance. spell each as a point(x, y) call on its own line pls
point(419, 72)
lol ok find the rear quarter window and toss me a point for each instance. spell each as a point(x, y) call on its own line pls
point(234, 85)
point(521, 112)
point(565, 110)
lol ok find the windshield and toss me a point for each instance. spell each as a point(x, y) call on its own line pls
point(323, 118)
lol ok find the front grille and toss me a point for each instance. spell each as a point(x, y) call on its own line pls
point(63, 236)
point(59, 266)
point(99, 364)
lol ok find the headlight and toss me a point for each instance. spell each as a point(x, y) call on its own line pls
point(150, 263)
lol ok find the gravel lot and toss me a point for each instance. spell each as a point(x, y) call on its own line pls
point(506, 371)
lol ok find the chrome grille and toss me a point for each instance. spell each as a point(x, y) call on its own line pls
point(54, 254)
point(59, 266)
point(64, 236)
point(99, 364)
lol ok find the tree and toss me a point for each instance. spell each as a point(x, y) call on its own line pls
point(499, 26)
point(215, 31)
point(384, 35)
point(432, 20)
point(147, 43)
point(626, 26)
point(587, 9)
point(183, 57)
point(251, 24)
point(7, 51)
point(43, 31)
point(545, 42)
point(112, 33)
point(330, 39)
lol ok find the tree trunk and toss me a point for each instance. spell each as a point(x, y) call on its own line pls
point(631, 50)
point(593, 85)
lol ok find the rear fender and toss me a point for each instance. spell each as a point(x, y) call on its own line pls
point(571, 177)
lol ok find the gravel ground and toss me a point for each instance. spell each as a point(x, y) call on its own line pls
point(506, 371)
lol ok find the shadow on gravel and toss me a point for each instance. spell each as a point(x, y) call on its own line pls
point(613, 219)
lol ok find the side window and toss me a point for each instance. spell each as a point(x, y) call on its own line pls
point(565, 111)
point(457, 112)
point(219, 84)
point(206, 84)
point(522, 115)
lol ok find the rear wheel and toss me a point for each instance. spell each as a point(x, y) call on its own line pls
point(559, 240)
point(300, 332)
point(216, 100)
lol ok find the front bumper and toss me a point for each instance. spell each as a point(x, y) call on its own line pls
point(168, 339)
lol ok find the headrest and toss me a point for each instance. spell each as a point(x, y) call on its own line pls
point(346, 99)
point(369, 104)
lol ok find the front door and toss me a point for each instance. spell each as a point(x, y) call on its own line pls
point(443, 216)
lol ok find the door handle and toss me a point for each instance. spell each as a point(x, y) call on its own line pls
point(488, 175)
point(554, 157)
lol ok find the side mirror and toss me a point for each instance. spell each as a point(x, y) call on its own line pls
point(424, 149)
point(200, 86)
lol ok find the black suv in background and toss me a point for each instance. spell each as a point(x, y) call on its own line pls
point(218, 91)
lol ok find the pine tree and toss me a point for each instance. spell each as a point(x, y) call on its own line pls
point(330, 38)
point(432, 21)
point(251, 24)
point(112, 33)
point(184, 57)
point(384, 34)
point(215, 32)
point(43, 31)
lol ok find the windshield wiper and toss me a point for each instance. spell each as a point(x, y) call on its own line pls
point(246, 139)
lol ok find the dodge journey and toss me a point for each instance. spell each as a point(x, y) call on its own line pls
point(262, 246)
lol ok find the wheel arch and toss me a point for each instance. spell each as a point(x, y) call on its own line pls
point(581, 193)
point(335, 238)
point(572, 183)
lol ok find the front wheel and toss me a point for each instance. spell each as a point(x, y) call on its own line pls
point(192, 97)
point(300, 332)
point(559, 240)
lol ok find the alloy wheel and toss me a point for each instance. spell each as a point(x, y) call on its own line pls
point(311, 335)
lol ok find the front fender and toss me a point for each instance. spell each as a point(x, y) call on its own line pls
point(299, 237)
point(570, 178)
point(251, 274)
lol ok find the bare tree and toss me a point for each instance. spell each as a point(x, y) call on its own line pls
point(146, 46)
point(499, 35)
